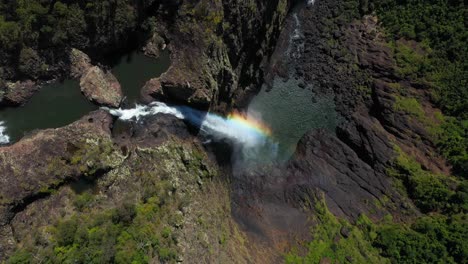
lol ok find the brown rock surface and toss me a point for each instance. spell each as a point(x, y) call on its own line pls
point(19, 92)
point(80, 63)
point(46, 159)
point(101, 87)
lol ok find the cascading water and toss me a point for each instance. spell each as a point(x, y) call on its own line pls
point(4, 138)
point(250, 139)
point(296, 40)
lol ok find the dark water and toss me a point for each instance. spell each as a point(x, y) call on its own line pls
point(291, 111)
point(59, 104)
point(135, 69)
point(55, 105)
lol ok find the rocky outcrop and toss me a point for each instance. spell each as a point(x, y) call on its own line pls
point(154, 46)
point(155, 167)
point(214, 63)
point(98, 85)
point(101, 87)
point(18, 93)
point(50, 157)
point(80, 63)
point(41, 163)
point(151, 90)
point(324, 163)
point(352, 59)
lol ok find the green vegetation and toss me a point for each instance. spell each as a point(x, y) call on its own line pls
point(430, 192)
point(338, 240)
point(452, 142)
point(142, 222)
point(132, 232)
point(429, 40)
point(409, 105)
point(429, 239)
point(35, 34)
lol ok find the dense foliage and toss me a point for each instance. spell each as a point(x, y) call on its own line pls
point(429, 40)
point(338, 241)
point(438, 58)
point(430, 239)
point(34, 34)
point(133, 232)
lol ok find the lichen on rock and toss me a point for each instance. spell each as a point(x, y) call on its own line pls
point(101, 87)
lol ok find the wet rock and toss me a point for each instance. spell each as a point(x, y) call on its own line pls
point(79, 63)
point(101, 87)
point(19, 92)
point(152, 90)
point(154, 46)
point(154, 130)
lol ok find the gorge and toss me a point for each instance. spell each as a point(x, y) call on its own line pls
point(225, 131)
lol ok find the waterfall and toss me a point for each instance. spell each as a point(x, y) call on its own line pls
point(296, 40)
point(248, 136)
point(4, 138)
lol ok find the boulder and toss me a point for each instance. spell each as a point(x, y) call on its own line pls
point(154, 46)
point(101, 87)
point(19, 92)
point(79, 63)
point(151, 90)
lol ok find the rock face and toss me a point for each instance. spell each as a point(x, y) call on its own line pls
point(151, 90)
point(80, 63)
point(18, 93)
point(351, 187)
point(154, 46)
point(101, 87)
point(40, 163)
point(359, 69)
point(215, 64)
point(158, 166)
point(50, 157)
point(273, 203)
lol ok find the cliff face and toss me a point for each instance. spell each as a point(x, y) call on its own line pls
point(157, 177)
point(152, 192)
point(76, 190)
point(375, 162)
point(217, 47)
point(217, 50)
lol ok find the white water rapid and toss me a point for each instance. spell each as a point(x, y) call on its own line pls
point(4, 138)
point(212, 127)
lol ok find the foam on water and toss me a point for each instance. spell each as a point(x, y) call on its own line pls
point(4, 138)
point(247, 134)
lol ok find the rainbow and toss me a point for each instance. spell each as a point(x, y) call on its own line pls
point(249, 123)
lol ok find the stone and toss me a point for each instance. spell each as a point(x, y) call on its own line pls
point(79, 63)
point(154, 46)
point(19, 92)
point(101, 87)
point(152, 90)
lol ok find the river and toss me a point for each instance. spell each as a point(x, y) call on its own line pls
point(60, 103)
